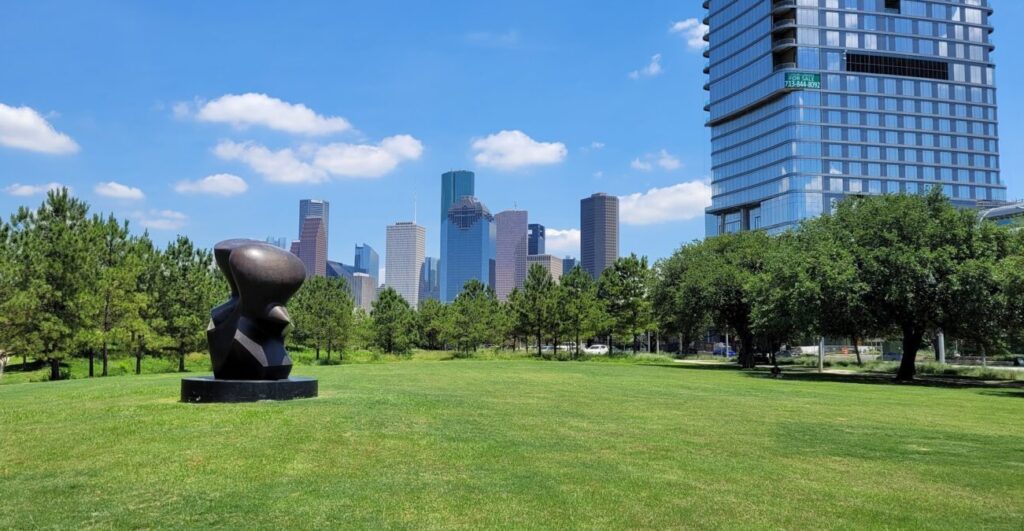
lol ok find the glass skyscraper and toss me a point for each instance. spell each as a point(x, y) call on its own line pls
point(367, 261)
point(405, 251)
point(599, 233)
point(814, 100)
point(430, 279)
point(536, 241)
point(455, 185)
point(470, 234)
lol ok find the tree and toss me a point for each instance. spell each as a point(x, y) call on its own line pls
point(717, 276)
point(675, 304)
point(392, 322)
point(186, 291)
point(48, 285)
point(474, 318)
point(323, 313)
point(583, 312)
point(430, 323)
point(531, 306)
point(145, 337)
point(624, 290)
point(113, 302)
point(927, 265)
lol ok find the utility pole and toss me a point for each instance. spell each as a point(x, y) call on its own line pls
point(940, 347)
point(821, 354)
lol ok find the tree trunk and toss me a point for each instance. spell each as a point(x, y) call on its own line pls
point(856, 348)
point(54, 369)
point(92, 357)
point(138, 363)
point(181, 360)
point(105, 359)
point(576, 355)
point(539, 341)
point(636, 343)
point(911, 343)
point(747, 350)
point(328, 350)
point(318, 349)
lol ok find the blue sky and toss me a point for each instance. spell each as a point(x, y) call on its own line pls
point(212, 119)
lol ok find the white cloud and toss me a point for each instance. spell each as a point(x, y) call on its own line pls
point(693, 31)
point(663, 159)
point(246, 110)
point(367, 161)
point(638, 164)
point(24, 128)
point(667, 161)
point(678, 202)
point(160, 219)
point(652, 69)
point(116, 190)
point(562, 242)
point(27, 190)
point(595, 145)
point(317, 163)
point(282, 166)
point(509, 150)
point(223, 184)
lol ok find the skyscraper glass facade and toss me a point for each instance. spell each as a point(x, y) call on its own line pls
point(536, 242)
point(430, 279)
point(367, 261)
point(814, 100)
point(470, 234)
point(599, 233)
point(406, 248)
point(454, 186)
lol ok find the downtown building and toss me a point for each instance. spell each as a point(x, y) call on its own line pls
point(469, 247)
point(815, 100)
point(455, 185)
point(405, 251)
point(430, 279)
point(367, 261)
point(536, 242)
point(311, 247)
point(599, 233)
point(551, 264)
point(511, 250)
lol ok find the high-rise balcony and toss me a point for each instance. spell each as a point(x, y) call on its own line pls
point(707, 67)
point(781, 6)
point(779, 45)
point(783, 24)
point(707, 52)
point(785, 66)
point(706, 4)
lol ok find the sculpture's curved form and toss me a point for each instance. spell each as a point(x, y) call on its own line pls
point(246, 333)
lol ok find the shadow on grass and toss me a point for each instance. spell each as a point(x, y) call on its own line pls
point(996, 388)
point(31, 366)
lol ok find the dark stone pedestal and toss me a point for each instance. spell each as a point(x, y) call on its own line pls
point(209, 389)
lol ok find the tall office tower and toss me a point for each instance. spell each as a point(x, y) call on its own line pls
point(367, 261)
point(279, 242)
point(430, 279)
point(315, 208)
point(567, 264)
point(470, 236)
point(536, 239)
point(311, 247)
point(454, 186)
point(551, 264)
point(364, 291)
point(406, 245)
point(599, 233)
point(811, 102)
point(510, 252)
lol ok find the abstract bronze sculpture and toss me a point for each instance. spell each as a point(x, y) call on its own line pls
point(246, 333)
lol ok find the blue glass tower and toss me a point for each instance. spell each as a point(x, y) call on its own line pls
point(470, 234)
point(367, 261)
point(455, 185)
point(814, 100)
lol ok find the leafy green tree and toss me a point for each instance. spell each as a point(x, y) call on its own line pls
point(49, 283)
point(392, 322)
point(430, 322)
point(675, 303)
point(145, 333)
point(323, 312)
point(718, 277)
point(532, 305)
point(927, 265)
point(624, 290)
point(186, 291)
point(474, 318)
point(583, 313)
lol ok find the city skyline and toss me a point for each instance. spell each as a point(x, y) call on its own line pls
point(194, 155)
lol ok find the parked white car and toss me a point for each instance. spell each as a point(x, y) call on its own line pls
point(597, 349)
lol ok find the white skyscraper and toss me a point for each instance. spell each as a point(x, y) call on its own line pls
point(406, 250)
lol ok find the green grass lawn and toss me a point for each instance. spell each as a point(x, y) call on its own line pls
point(474, 444)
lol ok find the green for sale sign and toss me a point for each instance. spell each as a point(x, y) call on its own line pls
point(802, 80)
